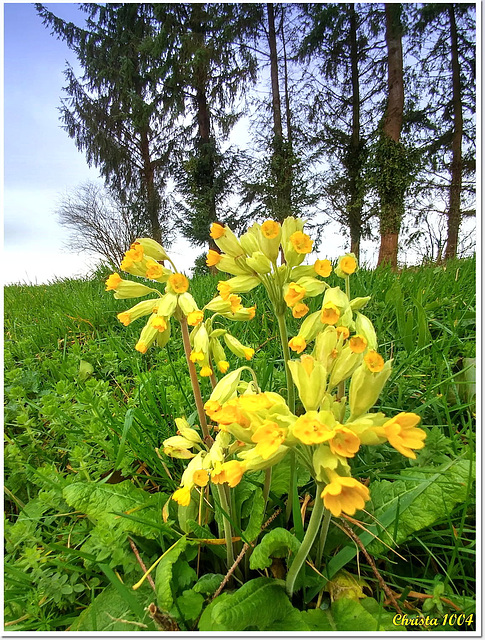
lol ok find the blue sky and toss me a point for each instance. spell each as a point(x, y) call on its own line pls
point(41, 162)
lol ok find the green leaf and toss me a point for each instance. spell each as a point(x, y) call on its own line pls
point(442, 492)
point(100, 502)
point(275, 544)
point(256, 516)
point(186, 575)
point(98, 616)
point(85, 370)
point(399, 499)
point(206, 623)
point(280, 480)
point(209, 583)
point(256, 604)
point(164, 575)
point(190, 604)
point(351, 615)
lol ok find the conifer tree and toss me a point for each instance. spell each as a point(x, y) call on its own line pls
point(113, 111)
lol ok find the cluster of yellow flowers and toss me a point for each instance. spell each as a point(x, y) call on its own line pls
point(263, 430)
point(255, 430)
point(143, 259)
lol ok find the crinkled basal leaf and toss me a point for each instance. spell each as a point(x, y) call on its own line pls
point(256, 604)
point(190, 604)
point(164, 575)
point(293, 621)
point(275, 544)
point(256, 516)
point(185, 576)
point(106, 612)
point(206, 623)
point(209, 583)
point(280, 480)
point(438, 499)
point(351, 615)
point(101, 503)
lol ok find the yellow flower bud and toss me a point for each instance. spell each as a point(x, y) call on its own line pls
point(357, 344)
point(259, 262)
point(345, 364)
point(182, 496)
point(138, 311)
point(310, 378)
point(187, 303)
point(113, 281)
point(250, 240)
point(167, 305)
point(213, 258)
point(152, 248)
point(365, 388)
point(147, 336)
point(239, 284)
point(126, 288)
point(224, 390)
point(300, 310)
point(365, 328)
point(226, 240)
point(374, 361)
point(269, 239)
point(312, 286)
point(237, 348)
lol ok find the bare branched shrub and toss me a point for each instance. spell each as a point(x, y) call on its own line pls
point(99, 223)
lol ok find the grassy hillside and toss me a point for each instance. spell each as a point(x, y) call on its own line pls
point(81, 402)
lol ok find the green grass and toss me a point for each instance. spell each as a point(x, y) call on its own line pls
point(61, 427)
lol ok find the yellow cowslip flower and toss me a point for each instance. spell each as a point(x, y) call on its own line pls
point(344, 494)
point(357, 344)
point(323, 268)
point(196, 356)
point(294, 294)
point(195, 317)
point(147, 336)
point(178, 283)
point(301, 242)
point(124, 317)
point(297, 344)
point(253, 402)
point(269, 436)
point(200, 477)
point(299, 310)
point(403, 435)
point(374, 361)
point(235, 302)
point(344, 443)
point(248, 353)
point(205, 371)
point(213, 258)
point(217, 231)
point(309, 430)
point(178, 452)
point(270, 229)
point(239, 284)
point(141, 346)
point(154, 270)
point(347, 265)
point(211, 408)
point(330, 313)
point(113, 281)
point(230, 413)
point(159, 323)
point(182, 496)
point(343, 331)
point(223, 366)
point(135, 252)
point(233, 472)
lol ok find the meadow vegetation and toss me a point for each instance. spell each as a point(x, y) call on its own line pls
point(86, 486)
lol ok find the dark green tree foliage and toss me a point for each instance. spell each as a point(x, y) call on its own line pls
point(444, 40)
point(209, 70)
point(336, 43)
point(114, 112)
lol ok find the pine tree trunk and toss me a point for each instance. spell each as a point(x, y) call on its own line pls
point(355, 161)
point(152, 198)
point(204, 143)
point(454, 213)
point(273, 61)
point(391, 211)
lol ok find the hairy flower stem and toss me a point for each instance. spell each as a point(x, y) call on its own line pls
point(227, 525)
point(323, 537)
point(199, 403)
point(306, 545)
point(286, 356)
